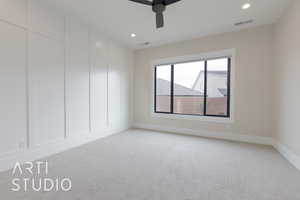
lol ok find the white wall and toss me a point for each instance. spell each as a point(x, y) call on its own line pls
point(252, 86)
point(287, 80)
point(62, 83)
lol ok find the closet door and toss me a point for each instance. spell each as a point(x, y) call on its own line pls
point(77, 79)
point(12, 88)
point(99, 84)
point(46, 87)
point(114, 87)
point(125, 90)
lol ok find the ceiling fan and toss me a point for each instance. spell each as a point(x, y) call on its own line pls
point(158, 6)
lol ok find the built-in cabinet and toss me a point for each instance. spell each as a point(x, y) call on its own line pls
point(77, 79)
point(45, 89)
point(13, 101)
point(59, 79)
point(99, 83)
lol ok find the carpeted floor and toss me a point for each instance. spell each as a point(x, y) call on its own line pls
point(145, 165)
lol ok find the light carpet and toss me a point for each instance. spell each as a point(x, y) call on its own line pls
point(146, 165)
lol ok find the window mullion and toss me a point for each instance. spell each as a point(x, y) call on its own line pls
point(228, 86)
point(172, 89)
point(155, 89)
point(205, 87)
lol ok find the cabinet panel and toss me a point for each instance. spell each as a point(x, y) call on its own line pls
point(99, 84)
point(114, 86)
point(78, 79)
point(14, 11)
point(46, 87)
point(46, 19)
point(12, 88)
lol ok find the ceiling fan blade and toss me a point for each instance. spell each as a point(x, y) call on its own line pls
point(159, 20)
point(145, 2)
point(169, 2)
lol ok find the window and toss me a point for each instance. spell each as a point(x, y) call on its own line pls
point(163, 88)
point(200, 88)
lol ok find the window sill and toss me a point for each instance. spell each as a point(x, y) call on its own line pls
point(193, 117)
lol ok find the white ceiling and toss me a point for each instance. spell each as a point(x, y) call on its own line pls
point(184, 20)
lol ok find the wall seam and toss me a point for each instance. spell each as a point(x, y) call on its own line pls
point(90, 78)
point(65, 77)
point(28, 144)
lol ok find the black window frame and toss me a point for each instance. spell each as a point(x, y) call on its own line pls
point(229, 60)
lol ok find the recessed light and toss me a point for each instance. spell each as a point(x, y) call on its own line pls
point(133, 35)
point(246, 6)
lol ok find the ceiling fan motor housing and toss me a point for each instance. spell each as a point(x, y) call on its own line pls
point(158, 8)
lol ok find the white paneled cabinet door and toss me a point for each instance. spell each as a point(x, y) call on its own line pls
point(45, 19)
point(78, 80)
point(114, 87)
point(12, 88)
point(46, 87)
point(125, 90)
point(99, 84)
point(14, 11)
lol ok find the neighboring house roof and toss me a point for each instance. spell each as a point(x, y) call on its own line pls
point(223, 91)
point(164, 86)
point(217, 83)
point(164, 89)
point(200, 76)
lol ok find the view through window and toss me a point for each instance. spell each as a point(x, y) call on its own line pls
point(194, 88)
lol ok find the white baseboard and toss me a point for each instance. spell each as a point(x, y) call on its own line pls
point(208, 134)
point(292, 157)
point(9, 160)
point(27, 155)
